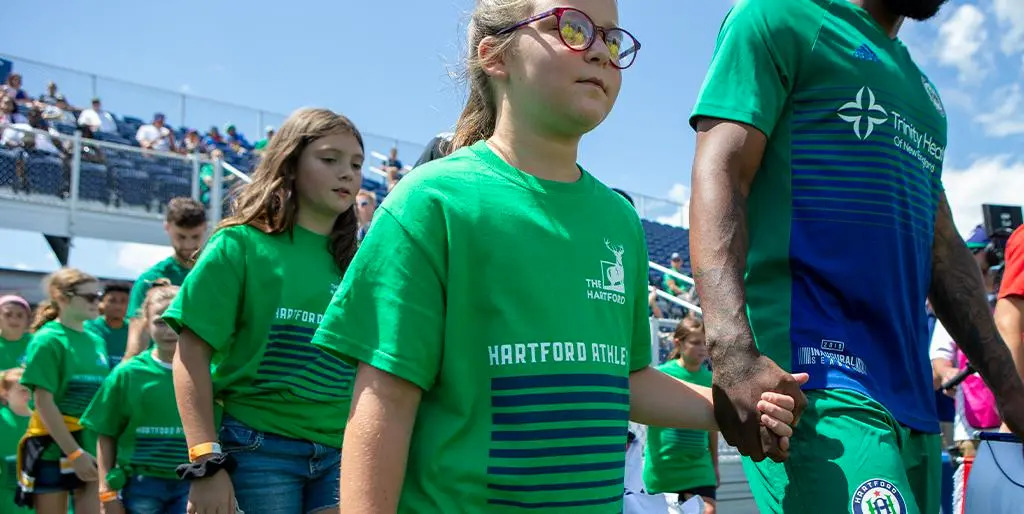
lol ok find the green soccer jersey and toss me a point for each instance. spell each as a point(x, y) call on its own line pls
point(526, 385)
point(677, 459)
point(168, 268)
point(12, 353)
point(69, 364)
point(841, 213)
point(116, 338)
point(136, 407)
point(257, 300)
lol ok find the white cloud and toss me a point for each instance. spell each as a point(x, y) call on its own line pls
point(135, 258)
point(993, 179)
point(1012, 16)
point(680, 216)
point(961, 37)
point(1007, 118)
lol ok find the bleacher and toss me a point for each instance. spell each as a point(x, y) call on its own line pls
point(662, 241)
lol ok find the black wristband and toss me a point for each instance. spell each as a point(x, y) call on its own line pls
point(207, 468)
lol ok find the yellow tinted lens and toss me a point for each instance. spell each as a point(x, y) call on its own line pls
point(576, 30)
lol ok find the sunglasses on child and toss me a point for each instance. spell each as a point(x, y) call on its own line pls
point(89, 297)
point(578, 32)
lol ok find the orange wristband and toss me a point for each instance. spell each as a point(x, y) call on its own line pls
point(201, 450)
point(73, 456)
point(108, 496)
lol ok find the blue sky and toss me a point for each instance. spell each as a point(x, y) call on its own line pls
point(391, 66)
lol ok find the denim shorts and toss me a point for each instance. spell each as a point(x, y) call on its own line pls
point(280, 475)
point(152, 495)
point(51, 479)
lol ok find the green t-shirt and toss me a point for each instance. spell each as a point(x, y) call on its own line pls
point(168, 268)
point(116, 338)
point(69, 364)
point(848, 188)
point(136, 407)
point(257, 300)
point(526, 386)
point(669, 279)
point(679, 459)
point(261, 144)
point(12, 426)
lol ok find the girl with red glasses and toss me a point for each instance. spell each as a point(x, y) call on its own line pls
point(517, 394)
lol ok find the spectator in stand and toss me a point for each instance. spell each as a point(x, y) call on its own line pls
point(192, 143)
point(393, 167)
point(185, 224)
point(1010, 305)
point(262, 143)
point(13, 89)
point(156, 135)
point(214, 139)
point(236, 140)
point(97, 119)
point(366, 204)
point(52, 96)
point(91, 152)
point(110, 326)
point(9, 114)
point(677, 286)
point(59, 111)
point(31, 135)
point(206, 177)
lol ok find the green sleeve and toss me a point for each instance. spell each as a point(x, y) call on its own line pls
point(755, 63)
point(389, 310)
point(44, 363)
point(105, 414)
point(210, 298)
point(640, 346)
point(138, 294)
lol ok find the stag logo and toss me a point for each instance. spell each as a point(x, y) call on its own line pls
point(612, 273)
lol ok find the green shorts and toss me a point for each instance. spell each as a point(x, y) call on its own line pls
point(848, 454)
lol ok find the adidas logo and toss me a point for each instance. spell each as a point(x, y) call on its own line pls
point(865, 52)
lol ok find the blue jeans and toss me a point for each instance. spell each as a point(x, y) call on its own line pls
point(151, 495)
point(280, 475)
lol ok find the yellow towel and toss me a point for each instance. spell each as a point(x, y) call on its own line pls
point(36, 428)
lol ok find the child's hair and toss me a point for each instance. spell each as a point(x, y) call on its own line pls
point(8, 379)
point(59, 283)
point(479, 116)
point(270, 202)
point(687, 330)
point(160, 293)
point(185, 212)
point(116, 287)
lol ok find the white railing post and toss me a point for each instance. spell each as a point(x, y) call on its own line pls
point(672, 272)
point(259, 123)
point(216, 192)
point(195, 175)
point(76, 175)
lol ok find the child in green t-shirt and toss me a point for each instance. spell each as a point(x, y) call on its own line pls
point(515, 396)
point(13, 421)
point(250, 307)
point(140, 440)
point(15, 316)
point(684, 461)
point(64, 368)
point(112, 325)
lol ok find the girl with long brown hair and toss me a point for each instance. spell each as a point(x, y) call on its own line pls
point(514, 396)
point(64, 368)
point(250, 307)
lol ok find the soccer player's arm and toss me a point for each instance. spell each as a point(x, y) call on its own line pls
point(388, 315)
point(959, 300)
point(1010, 306)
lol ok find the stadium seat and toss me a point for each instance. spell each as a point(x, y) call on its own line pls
point(94, 182)
point(131, 120)
point(112, 138)
point(45, 174)
point(169, 186)
point(133, 187)
point(65, 128)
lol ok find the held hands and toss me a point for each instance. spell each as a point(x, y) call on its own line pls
point(214, 495)
point(756, 404)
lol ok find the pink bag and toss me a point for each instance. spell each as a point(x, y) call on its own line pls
point(979, 402)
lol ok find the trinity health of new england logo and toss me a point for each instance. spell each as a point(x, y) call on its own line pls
point(611, 286)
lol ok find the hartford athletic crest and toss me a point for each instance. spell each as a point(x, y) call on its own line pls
point(878, 496)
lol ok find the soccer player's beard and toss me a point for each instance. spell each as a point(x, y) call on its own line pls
point(915, 9)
